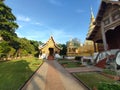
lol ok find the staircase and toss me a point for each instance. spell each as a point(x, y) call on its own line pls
point(50, 57)
point(101, 63)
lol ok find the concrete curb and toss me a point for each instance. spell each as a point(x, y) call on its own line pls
point(28, 80)
point(81, 81)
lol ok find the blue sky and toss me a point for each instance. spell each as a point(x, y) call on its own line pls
point(63, 19)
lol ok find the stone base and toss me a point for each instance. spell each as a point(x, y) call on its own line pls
point(50, 57)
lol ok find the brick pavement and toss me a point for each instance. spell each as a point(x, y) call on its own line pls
point(52, 76)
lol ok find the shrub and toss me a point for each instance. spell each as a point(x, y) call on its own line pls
point(109, 86)
point(108, 71)
point(78, 58)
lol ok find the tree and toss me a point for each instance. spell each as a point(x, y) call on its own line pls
point(10, 43)
point(7, 19)
point(25, 45)
point(7, 31)
point(64, 49)
point(75, 42)
point(5, 50)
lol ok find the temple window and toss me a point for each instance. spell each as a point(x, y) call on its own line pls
point(106, 21)
point(116, 15)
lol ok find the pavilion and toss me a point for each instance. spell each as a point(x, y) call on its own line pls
point(49, 49)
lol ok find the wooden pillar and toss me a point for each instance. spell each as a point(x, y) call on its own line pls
point(95, 49)
point(103, 36)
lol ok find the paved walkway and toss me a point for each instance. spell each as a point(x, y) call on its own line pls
point(84, 69)
point(52, 76)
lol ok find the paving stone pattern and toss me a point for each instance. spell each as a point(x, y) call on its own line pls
point(52, 76)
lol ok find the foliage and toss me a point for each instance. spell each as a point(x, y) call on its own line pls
point(71, 64)
point(75, 42)
point(17, 72)
point(25, 44)
point(16, 47)
point(109, 86)
point(35, 44)
point(108, 71)
point(64, 49)
point(7, 19)
point(7, 30)
point(11, 45)
point(78, 58)
point(5, 49)
point(92, 79)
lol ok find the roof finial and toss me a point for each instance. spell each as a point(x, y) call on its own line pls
point(92, 15)
point(92, 20)
point(51, 34)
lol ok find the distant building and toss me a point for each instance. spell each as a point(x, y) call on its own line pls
point(86, 49)
point(106, 31)
point(49, 49)
point(71, 49)
point(91, 27)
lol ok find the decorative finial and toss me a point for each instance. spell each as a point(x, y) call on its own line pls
point(51, 34)
point(92, 15)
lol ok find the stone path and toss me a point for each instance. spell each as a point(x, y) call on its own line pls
point(52, 76)
point(84, 69)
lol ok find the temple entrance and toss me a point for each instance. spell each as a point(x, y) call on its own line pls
point(51, 51)
point(51, 54)
point(113, 38)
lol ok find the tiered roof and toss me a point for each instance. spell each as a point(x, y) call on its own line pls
point(102, 9)
point(51, 38)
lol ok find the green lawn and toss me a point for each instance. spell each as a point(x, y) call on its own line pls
point(14, 73)
point(70, 64)
point(92, 79)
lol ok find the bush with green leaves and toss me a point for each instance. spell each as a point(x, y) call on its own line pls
point(11, 45)
point(109, 86)
point(108, 71)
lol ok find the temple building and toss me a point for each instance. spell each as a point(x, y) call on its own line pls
point(106, 31)
point(49, 49)
point(72, 50)
point(88, 45)
point(91, 26)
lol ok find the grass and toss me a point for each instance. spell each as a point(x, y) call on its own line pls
point(92, 79)
point(70, 64)
point(64, 60)
point(14, 73)
point(108, 71)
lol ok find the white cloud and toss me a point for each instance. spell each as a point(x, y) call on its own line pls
point(41, 32)
point(55, 2)
point(60, 35)
point(23, 18)
point(38, 23)
point(20, 26)
point(80, 11)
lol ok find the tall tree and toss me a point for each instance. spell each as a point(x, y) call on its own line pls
point(7, 19)
point(75, 41)
point(7, 30)
point(64, 49)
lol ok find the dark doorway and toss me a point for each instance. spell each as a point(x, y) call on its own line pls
point(51, 51)
point(113, 38)
point(51, 54)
